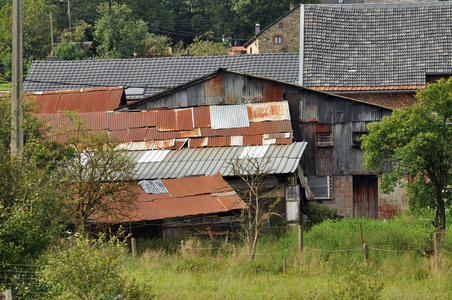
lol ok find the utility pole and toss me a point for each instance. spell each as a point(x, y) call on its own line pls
point(68, 13)
point(17, 114)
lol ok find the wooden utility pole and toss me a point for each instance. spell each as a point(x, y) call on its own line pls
point(51, 33)
point(17, 114)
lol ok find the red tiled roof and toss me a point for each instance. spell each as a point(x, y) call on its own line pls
point(187, 197)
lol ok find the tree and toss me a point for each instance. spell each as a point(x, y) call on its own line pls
point(416, 141)
point(201, 47)
point(118, 34)
point(98, 179)
point(156, 46)
point(68, 51)
point(254, 173)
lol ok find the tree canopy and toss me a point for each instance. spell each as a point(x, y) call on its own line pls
point(416, 141)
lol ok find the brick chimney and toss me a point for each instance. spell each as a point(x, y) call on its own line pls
point(257, 29)
point(292, 5)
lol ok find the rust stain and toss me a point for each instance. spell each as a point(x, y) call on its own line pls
point(272, 91)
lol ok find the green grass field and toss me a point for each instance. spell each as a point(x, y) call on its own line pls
point(5, 86)
point(401, 265)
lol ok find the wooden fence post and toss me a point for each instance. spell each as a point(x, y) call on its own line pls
point(366, 253)
point(134, 247)
point(234, 248)
point(300, 243)
point(284, 265)
point(9, 295)
point(437, 249)
point(182, 244)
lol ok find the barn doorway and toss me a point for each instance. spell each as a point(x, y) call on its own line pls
point(365, 196)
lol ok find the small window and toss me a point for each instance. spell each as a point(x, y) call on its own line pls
point(321, 187)
point(281, 25)
point(356, 138)
point(277, 39)
point(324, 139)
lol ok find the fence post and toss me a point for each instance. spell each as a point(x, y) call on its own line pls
point(9, 295)
point(284, 265)
point(300, 243)
point(366, 253)
point(182, 244)
point(437, 249)
point(134, 247)
point(234, 248)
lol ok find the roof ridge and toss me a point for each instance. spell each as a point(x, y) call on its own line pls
point(383, 5)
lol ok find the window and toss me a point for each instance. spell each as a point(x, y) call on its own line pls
point(356, 136)
point(277, 39)
point(324, 139)
point(281, 25)
point(321, 187)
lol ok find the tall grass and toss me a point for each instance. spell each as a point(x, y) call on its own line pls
point(211, 271)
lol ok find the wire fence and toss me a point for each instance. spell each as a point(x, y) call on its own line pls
point(22, 279)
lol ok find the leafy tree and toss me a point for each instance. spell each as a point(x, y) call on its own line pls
point(30, 210)
point(99, 178)
point(416, 140)
point(68, 51)
point(205, 47)
point(156, 46)
point(84, 269)
point(253, 173)
point(118, 34)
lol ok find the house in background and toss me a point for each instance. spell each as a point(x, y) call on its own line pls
point(283, 35)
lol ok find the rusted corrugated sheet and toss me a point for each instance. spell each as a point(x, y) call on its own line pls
point(166, 120)
point(185, 197)
point(184, 119)
point(191, 133)
point(219, 141)
point(253, 140)
point(213, 90)
point(274, 111)
point(323, 127)
point(120, 135)
point(201, 116)
point(272, 91)
point(164, 144)
point(82, 100)
point(137, 134)
point(198, 142)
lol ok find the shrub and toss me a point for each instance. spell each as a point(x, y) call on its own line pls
point(84, 269)
point(317, 213)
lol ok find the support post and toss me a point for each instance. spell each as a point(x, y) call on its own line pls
point(182, 244)
point(366, 253)
point(9, 295)
point(284, 265)
point(437, 249)
point(300, 242)
point(234, 249)
point(17, 115)
point(134, 248)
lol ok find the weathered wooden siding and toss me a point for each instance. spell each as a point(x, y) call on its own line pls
point(365, 196)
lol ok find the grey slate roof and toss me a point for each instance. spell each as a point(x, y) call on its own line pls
point(154, 74)
point(376, 44)
point(280, 159)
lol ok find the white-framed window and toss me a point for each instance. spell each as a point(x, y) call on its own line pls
point(277, 39)
point(321, 187)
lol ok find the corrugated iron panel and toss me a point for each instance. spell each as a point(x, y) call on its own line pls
point(253, 152)
point(237, 140)
point(76, 102)
point(135, 146)
point(272, 111)
point(198, 142)
point(120, 135)
point(65, 102)
point(91, 101)
point(95, 120)
point(272, 91)
point(213, 90)
point(144, 119)
point(281, 141)
point(201, 116)
point(178, 144)
point(166, 120)
point(233, 131)
point(253, 140)
point(119, 121)
point(192, 133)
point(154, 134)
point(114, 99)
point(269, 141)
point(137, 134)
point(48, 104)
point(219, 141)
point(124, 146)
point(154, 156)
point(184, 119)
point(155, 186)
point(229, 116)
point(164, 144)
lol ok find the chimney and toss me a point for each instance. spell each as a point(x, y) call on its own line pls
point(292, 5)
point(257, 29)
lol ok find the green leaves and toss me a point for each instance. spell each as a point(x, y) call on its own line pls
point(416, 141)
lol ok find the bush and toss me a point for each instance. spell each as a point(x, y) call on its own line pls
point(317, 213)
point(84, 269)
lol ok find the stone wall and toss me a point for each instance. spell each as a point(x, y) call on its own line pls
point(342, 195)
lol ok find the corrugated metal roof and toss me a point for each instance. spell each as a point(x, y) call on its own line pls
point(161, 126)
point(155, 186)
point(229, 116)
point(185, 197)
point(154, 156)
point(280, 159)
point(82, 100)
